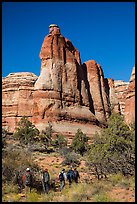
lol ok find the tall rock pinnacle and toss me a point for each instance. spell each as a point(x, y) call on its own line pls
point(61, 83)
point(59, 64)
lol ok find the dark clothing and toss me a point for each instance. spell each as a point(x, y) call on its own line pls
point(27, 179)
point(76, 176)
point(62, 179)
point(45, 181)
point(70, 176)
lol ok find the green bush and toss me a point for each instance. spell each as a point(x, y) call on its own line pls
point(26, 131)
point(113, 149)
point(80, 142)
point(71, 158)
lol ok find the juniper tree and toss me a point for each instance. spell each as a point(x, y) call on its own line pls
point(113, 149)
point(25, 131)
point(80, 142)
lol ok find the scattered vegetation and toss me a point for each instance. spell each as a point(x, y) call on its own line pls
point(112, 154)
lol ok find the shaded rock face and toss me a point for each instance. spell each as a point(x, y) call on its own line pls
point(129, 111)
point(95, 79)
point(67, 93)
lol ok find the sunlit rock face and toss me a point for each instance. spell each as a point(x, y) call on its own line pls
point(17, 100)
point(129, 111)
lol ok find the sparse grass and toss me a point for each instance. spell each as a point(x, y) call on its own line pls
point(103, 197)
point(81, 192)
point(11, 197)
point(116, 178)
point(132, 183)
point(33, 196)
point(10, 193)
point(9, 188)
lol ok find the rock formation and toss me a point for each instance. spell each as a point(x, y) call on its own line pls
point(129, 111)
point(67, 93)
point(17, 89)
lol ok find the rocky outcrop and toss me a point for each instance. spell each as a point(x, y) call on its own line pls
point(121, 92)
point(95, 80)
point(129, 111)
point(67, 93)
point(17, 89)
point(113, 101)
point(57, 93)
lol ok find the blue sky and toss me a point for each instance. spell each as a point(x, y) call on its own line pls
point(103, 31)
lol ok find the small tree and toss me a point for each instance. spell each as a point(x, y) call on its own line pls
point(113, 149)
point(80, 142)
point(25, 131)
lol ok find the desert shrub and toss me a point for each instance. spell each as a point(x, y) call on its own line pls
point(80, 142)
point(4, 135)
point(15, 162)
point(60, 141)
point(64, 151)
point(26, 131)
point(113, 149)
point(71, 158)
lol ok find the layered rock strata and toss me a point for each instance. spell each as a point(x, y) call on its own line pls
point(17, 100)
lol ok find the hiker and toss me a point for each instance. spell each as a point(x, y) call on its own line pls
point(70, 176)
point(62, 178)
point(45, 180)
point(76, 175)
point(18, 180)
point(27, 180)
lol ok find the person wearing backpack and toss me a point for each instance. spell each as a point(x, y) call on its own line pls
point(27, 179)
point(62, 178)
point(45, 180)
point(76, 175)
point(70, 176)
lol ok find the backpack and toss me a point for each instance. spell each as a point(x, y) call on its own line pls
point(45, 176)
point(27, 179)
point(75, 174)
point(70, 174)
point(61, 176)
